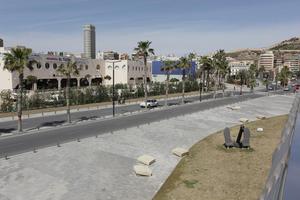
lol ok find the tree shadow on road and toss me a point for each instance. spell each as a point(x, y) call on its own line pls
point(6, 130)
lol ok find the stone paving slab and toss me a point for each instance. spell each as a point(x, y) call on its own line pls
point(102, 168)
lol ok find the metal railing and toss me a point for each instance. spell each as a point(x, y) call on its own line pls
point(275, 183)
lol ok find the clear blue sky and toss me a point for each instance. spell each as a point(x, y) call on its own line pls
point(174, 26)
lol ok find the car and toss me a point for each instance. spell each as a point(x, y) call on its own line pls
point(270, 88)
point(150, 103)
point(286, 89)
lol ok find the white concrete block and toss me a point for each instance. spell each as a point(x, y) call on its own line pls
point(146, 159)
point(259, 129)
point(260, 117)
point(234, 107)
point(180, 152)
point(244, 120)
point(142, 170)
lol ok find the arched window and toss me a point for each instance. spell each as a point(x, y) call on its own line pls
point(47, 65)
point(109, 67)
point(116, 67)
point(86, 67)
point(98, 67)
point(54, 65)
point(38, 65)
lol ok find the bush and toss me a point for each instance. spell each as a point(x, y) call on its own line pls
point(7, 101)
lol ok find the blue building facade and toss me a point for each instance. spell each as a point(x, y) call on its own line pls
point(157, 72)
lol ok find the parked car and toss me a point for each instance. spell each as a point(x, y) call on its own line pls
point(286, 89)
point(150, 103)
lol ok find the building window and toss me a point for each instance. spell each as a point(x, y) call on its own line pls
point(117, 67)
point(47, 65)
point(86, 67)
point(98, 67)
point(109, 67)
point(54, 65)
point(80, 67)
point(124, 66)
point(38, 65)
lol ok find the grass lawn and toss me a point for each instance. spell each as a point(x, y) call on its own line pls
point(212, 172)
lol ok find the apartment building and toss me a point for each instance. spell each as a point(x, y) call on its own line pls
point(237, 65)
point(266, 60)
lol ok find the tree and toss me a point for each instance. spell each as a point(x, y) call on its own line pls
point(242, 75)
point(251, 73)
point(221, 69)
point(206, 67)
point(107, 77)
point(261, 71)
point(68, 70)
point(31, 80)
point(143, 50)
point(167, 67)
point(284, 76)
point(183, 64)
point(16, 61)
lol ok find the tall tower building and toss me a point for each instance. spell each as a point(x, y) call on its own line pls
point(89, 41)
point(1, 42)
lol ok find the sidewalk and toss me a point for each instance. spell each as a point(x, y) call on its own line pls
point(78, 108)
point(102, 167)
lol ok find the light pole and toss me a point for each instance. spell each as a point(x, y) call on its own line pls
point(113, 85)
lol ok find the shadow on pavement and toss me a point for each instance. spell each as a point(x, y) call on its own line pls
point(6, 130)
point(87, 118)
point(53, 123)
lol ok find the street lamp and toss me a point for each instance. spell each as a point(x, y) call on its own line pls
point(113, 77)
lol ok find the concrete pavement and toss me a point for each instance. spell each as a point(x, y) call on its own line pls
point(102, 167)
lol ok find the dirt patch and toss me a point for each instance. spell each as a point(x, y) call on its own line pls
point(212, 172)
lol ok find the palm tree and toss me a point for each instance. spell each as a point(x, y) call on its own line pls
point(221, 69)
point(242, 75)
point(68, 70)
point(206, 66)
point(167, 67)
point(32, 80)
point(16, 61)
point(143, 49)
point(261, 71)
point(284, 76)
point(183, 64)
point(252, 76)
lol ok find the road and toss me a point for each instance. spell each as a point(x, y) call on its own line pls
point(58, 135)
point(59, 119)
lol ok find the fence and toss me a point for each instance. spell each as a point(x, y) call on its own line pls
point(274, 186)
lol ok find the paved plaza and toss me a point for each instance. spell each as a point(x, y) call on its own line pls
point(102, 168)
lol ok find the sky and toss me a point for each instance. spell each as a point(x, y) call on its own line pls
point(174, 26)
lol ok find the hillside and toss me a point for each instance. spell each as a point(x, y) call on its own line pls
point(253, 54)
point(291, 44)
point(247, 54)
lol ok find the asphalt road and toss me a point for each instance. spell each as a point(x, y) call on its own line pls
point(48, 137)
point(59, 119)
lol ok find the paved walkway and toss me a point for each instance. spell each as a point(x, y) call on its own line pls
point(102, 168)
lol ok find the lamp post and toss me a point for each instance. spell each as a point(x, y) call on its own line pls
point(113, 85)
